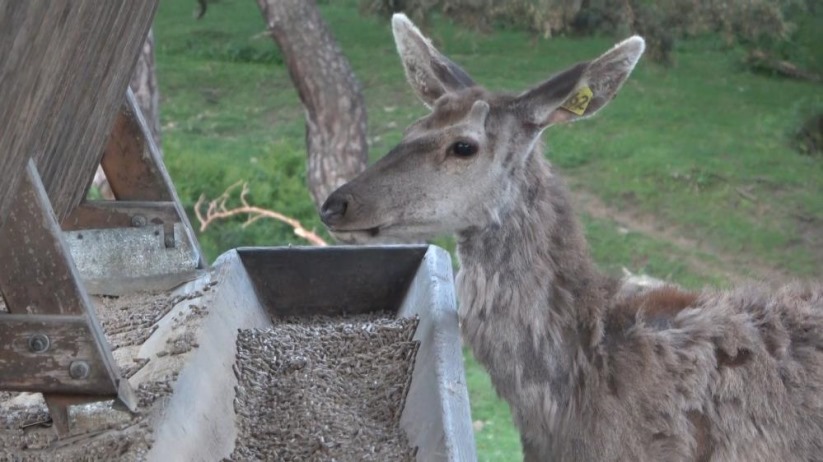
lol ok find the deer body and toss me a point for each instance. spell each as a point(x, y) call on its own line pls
point(592, 371)
point(592, 374)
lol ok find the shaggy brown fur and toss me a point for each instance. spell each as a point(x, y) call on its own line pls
point(592, 371)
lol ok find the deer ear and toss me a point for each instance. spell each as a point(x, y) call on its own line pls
point(429, 73)
point(581, 90)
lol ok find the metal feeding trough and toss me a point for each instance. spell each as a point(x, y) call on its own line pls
point(254, 284)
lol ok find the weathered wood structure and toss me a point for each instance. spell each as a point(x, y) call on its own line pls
point(64, 109)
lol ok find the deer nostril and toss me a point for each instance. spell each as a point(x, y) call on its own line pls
point(334, 209)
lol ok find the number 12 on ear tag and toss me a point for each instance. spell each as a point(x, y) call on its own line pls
point(579, 101)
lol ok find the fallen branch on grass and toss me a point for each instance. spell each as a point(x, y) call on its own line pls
point(759, 60)
point(217, 210)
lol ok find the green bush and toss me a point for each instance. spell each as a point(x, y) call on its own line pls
point(762, 23)
point(276, 181)
point(547, 17)
point(808, 139)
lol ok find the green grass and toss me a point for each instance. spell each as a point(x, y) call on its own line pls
point(702, 147)
point(683, 143)
point(494, 434)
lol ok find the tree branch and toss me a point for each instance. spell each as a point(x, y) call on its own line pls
point(218, 210)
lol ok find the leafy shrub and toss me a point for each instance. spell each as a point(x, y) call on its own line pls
point(277, 180)
point(763, 23)
point(808, 139)
point(544, 16)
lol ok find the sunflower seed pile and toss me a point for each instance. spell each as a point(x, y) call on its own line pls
point(131, 319)
point(324, 388)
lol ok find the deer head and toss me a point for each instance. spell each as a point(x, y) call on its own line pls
point(458, 167)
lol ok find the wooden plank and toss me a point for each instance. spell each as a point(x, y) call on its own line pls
point(133, 173)
point(120, 214)
point(38, 275)
point(64, 351)
point(59, 413)
point(70, 363)
point(64, 69)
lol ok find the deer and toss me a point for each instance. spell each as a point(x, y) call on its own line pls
point(592, 369)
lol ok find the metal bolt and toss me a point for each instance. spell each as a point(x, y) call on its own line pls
point(139, 221)
point(39, 343)
point(79, 370)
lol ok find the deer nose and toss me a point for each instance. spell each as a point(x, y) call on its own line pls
point(334, 209)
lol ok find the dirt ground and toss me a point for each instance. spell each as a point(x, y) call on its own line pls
point(325, 389)
point(729, 265)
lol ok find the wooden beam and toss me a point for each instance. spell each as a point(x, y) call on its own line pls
point(51, 354)
point(65, 67)
point(120, 214)
point(38, 275)
point(134, 174)
point(51, 340)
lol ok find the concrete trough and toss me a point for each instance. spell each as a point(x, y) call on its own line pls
point(257, 283)
point(405, 280)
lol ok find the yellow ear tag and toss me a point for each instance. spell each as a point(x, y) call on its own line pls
point(579, 101)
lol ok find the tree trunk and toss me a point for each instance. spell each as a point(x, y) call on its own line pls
point(144, 85)
point(335, 112)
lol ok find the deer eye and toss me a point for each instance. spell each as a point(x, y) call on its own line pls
point(463, 149)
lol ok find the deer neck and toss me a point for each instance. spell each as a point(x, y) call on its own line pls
point(530, 295)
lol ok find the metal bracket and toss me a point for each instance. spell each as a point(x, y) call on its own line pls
point(114, 261)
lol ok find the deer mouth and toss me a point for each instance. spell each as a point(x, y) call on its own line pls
point(387, 233)
point(373, 231)
point(349, 235)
